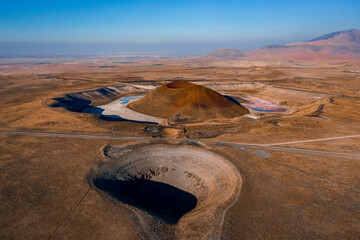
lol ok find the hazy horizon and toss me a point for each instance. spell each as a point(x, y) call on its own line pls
point(31, 49)
point(172, 27)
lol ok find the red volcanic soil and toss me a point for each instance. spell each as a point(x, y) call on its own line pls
point(182, 102)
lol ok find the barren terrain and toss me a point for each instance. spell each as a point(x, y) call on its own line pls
point(287, 170)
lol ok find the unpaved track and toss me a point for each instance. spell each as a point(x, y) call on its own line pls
point(312, 140)
point(248, 145)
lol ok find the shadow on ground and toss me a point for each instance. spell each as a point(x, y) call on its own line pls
point(79, 105)
point(159, 199)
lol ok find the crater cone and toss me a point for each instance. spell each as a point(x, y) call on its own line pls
point(182, 102)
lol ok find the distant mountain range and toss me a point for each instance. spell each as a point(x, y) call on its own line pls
point(337, 45)
point(227, 53)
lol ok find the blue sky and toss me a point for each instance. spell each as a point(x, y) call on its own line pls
point(239, 24)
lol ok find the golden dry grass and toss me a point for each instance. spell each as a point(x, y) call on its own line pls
point(45, 189)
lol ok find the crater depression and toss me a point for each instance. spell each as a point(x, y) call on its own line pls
point(177, 185)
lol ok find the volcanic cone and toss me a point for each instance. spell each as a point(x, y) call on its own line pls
point(182, 102)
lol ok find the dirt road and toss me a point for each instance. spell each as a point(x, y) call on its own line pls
point(271, 147)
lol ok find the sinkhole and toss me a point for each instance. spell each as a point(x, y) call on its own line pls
point(172, 183)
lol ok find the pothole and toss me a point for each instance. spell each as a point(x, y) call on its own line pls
point(179, 190)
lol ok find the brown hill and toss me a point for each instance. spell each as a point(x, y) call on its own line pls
point(182, 102)
point(343, 45)
point(226, 53)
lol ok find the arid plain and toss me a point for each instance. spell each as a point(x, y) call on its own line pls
point(289, 169)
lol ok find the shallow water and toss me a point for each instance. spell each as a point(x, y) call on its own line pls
point(127, 99)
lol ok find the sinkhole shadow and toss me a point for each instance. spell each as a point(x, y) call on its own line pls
point(159, 199)
point(231, 99)
point(79, 105)
point(71, 103)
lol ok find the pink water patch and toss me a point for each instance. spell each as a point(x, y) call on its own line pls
point(261, 105)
